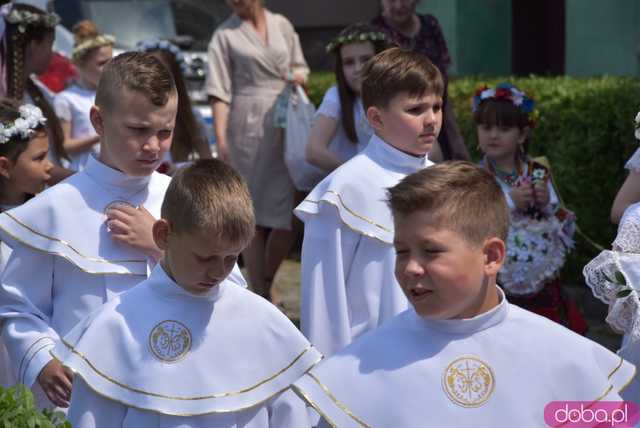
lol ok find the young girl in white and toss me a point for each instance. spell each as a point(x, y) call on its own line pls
point(629, 192)
point(340, 129)
point(24, 170)
point(541, 229)
point(189, 141)
point(91, 52)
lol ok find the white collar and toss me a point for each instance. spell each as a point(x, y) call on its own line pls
point(166, 287)
point(114, 180)
point(469, 325)
point(393, 159)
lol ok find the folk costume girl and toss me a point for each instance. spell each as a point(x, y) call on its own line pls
point(91, 52)
point(541, 229)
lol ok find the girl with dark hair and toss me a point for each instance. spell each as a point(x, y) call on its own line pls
point(541, 229)
point(26, 50)
point(340, 129)
point(24, 170)
point(189, 140)
point(91, 51)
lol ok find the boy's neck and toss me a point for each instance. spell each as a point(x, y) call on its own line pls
point(386, 141)
point(490, 297)
point(12, 197)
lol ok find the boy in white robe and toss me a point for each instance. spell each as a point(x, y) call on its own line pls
point(84, 241)
point(187, 347)
point(347, 284)
point(462, 356)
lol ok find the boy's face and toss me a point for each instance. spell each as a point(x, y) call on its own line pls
point(134, 133)
point(196, 262)
point(442, 275)
point(409, 124)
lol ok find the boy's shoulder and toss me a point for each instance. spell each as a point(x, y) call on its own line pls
point(521, 357)
point(156, 347)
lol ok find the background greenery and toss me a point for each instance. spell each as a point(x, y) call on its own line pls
point(18, 410)
point(585, 129)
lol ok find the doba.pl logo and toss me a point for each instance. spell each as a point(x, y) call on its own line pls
point(591, 414)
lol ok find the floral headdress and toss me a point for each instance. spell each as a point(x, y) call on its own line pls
point(637, 126)
point(355, 34)
point(507, 92)
point(93, 43)
point(30, 119)
point(164, 45)
point(25, 18)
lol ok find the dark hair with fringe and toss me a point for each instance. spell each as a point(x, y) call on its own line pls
point(492, 112)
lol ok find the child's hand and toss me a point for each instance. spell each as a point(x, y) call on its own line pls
point(132, 226)
point(541, 192)
point(56, 380)
point(522, 196)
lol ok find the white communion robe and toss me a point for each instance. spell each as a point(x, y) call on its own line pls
point(499, 369)
point(64, 262)
point(348, 284)
point(158, 356)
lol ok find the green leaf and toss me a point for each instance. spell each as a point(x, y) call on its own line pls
point(623, 293)
point(620, 278)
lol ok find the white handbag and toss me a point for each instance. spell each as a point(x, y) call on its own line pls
point(300, 112)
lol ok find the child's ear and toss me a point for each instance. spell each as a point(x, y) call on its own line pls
point(161, 229)
point(375, 118)
point(6, 166)
point(95, 115)
point(494, 254)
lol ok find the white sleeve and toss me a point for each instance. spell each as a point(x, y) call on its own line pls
point(330, 106)
point(633, 164)
point(288, 410)
point(328, 250)
point(62, 107)
point(90, 410)
point(26, 306)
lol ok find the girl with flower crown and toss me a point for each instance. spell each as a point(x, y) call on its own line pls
point(189, 141)
point(340, 129)
point(26, 40)
point(24, 170)
point(91, 52)
point(541, 229)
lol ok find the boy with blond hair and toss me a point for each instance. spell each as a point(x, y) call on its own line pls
point(461, 356)
point(347, 253)
point(182, 347)
point(84, 241)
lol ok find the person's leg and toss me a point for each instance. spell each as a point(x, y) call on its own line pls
point(278, 246)
point(254, 257)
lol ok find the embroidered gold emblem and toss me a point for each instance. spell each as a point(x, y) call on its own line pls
point(170, 341)
point(468, 381)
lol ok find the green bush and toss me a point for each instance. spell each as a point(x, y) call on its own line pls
point(586, 131)
point(18, 410)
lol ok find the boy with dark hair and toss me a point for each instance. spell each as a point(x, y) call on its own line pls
point(82, 242)
point(182, 347)
point(347, 254)
point(461, 356)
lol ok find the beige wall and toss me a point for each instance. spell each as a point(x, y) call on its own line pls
point(324, 13)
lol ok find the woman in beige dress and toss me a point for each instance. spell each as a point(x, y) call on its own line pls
point(252, 57)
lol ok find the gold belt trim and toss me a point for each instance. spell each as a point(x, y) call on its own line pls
point(338, 403)
point(302, 394)
point(204, 397)
point(623, 387)
point(66, 244)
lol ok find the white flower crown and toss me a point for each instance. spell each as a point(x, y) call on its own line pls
point(30, 118)
point(164, 45)
point(95, 42)
point(24, 18)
